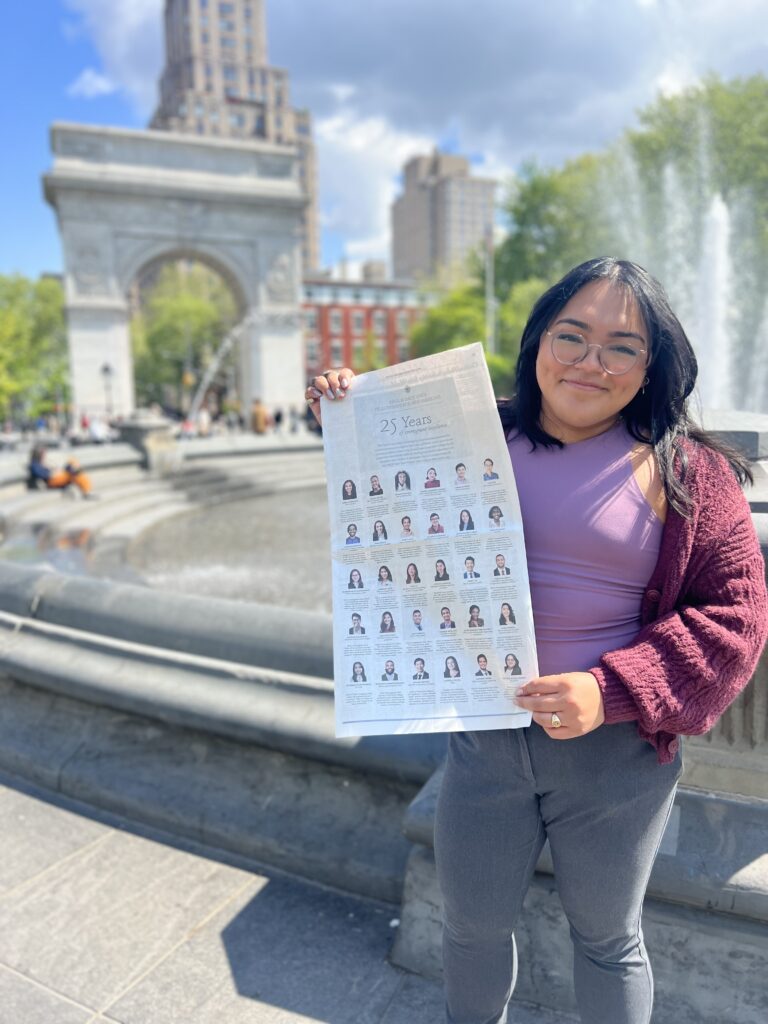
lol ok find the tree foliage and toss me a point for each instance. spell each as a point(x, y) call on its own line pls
point(460, 320)
point(33, 346)
point(553, 222)
point(182, 319)
point(718, 129)
point(457, 320)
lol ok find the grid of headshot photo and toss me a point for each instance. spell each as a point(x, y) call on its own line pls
point(426, 602)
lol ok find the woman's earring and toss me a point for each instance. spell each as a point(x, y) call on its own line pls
point(642, 386)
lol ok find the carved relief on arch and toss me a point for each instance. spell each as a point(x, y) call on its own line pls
point(279, 276)
point(88, 264)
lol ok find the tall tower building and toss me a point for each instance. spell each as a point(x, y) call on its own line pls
point(440, 219)
point(217, 81)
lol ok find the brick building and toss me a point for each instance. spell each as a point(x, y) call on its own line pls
point(358, 323)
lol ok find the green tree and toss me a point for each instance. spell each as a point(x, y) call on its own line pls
point(372, 356)
point(459, 319)
point(33, 346)
point(554, 222)
point(181, 321)
point(717, 130)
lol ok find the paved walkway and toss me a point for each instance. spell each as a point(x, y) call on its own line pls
point(100, 922)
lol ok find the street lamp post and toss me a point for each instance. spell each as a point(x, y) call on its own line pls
point(106, 373)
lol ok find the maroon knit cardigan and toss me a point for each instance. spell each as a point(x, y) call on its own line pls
point(704, 616)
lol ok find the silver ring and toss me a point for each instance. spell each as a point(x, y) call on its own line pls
point(556, 723)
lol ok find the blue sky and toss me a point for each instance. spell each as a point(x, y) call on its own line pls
point(504, 81)
point(39, 60)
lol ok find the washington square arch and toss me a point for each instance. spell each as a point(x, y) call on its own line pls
point(126, 200)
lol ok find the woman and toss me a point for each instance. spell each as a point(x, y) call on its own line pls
point(348, 490)
point(358, 673)
point(376, 490)
point(452, 670)
point(402, 481)
point(384, 578)
point(387, 624)
point(431, 480)
point(495, 518)
point(379, 531)
point(465, 520)
point(512, 666)
point(475, 622)
point(39, 475)
point(407, 530)
point(506, 615)
point(441, 573)
point(352, 537)
point(609, 468)
point(355, 580)
point(412, 573)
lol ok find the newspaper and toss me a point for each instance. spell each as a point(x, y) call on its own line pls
point(433, 629)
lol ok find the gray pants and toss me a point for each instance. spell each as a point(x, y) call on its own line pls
point(603, 801)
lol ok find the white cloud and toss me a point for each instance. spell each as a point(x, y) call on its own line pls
point(128, 35)
point(342, 91)
point(359, 159)
point(90, 83)
point(502, 79)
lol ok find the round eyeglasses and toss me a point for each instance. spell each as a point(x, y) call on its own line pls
point(616, 357)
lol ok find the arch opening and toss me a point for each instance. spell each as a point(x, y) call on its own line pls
point(182, 305)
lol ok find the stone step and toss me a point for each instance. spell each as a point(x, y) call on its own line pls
point(137, 521)
point(21, 500)
point(130, 500)
point(76, 513)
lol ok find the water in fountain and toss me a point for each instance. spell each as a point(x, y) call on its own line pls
point(678, 240)
point(705, 249)
point(713, 329)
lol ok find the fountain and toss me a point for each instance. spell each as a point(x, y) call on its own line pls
point(713, 329)
point(705, 248)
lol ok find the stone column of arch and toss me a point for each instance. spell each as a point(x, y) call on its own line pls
point(125, 199)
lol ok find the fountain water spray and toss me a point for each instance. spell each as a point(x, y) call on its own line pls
point(714, 329)
point(706, 249)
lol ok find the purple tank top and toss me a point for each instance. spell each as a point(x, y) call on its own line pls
point(592, 542)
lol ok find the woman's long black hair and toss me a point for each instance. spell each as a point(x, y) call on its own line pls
point(658, 414)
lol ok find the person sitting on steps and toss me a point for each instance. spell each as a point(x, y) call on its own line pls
point(39, 475)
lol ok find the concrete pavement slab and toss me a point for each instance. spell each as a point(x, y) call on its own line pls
point(37, 836)
point(284, 951)
point(24, 1002)
point(102, 917)
point(142, 929)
